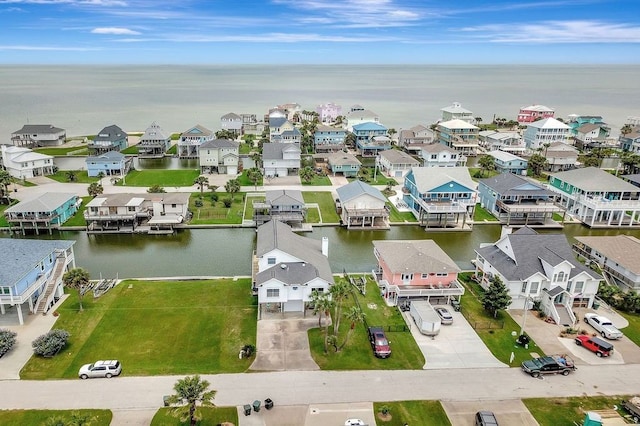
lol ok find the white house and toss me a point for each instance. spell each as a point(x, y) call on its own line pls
point(504, 141)
point(544, 132)
point(231, 122)
point(456, 112)
point(438, 155)
point(280, 159)
point(288, 268)
point(395, 163)
point(538, 267)
point(23, 163)
point(360, 116)
point(220, 156)
point(361, 206)
point(34, 135)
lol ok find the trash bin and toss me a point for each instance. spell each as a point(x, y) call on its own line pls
point(523, 340)
point(456, 305)
point(247, 410)
point(256, 405)
point(268, 403)
point(165, 400)
point(595, 305)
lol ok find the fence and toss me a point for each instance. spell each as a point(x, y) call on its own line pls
point(486, 325)
point(393, 328)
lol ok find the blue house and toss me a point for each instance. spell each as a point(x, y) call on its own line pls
point(329, 139)
point(46, 212)
point(371, 138)
point(31, 274)
point(505, 162)
point(110, 163)
point(111, 138)
point(441, 197)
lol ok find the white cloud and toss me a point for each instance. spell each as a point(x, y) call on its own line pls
point(260, 38)
point(114, 31)
point(550, 32)
point(72, 2)
point(46, 48)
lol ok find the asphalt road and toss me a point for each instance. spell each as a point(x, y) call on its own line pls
point(295, 388)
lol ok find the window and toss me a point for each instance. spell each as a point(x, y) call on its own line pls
point(534, 288)
point(442, 274)
point(5, 290)
point(579, 288)
point(271, 261)
point(568, 287)
point(131, 208)
point(424, 276)
point(561, 276)
point(273, 292)
point(318, 290)
point(407, 277)
point(173, 206)
point(524, 287)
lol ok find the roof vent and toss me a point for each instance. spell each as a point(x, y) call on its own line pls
point(283, 266)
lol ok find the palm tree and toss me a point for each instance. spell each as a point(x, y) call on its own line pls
point(76, 278)
point(201, 181)
point(257, 159)
point(315, 299)
point(100, 175)
point(95, 189)
point(486, 163)
point(323, 304)
point(355, 315)
point(71, 176)
point(190, 391)
point(5, 180)
point(339, 292)
point(254, 175)
point(232, 186)
point(537, 163)
point(306, 174)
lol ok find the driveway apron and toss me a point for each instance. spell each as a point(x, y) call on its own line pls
point(283, 345)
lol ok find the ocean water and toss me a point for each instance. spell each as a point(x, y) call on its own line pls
point(84, 99)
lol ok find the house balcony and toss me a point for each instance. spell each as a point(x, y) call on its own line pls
point(38, 217)
point(453, 288)
point(454, 206)
point(600, 203)
point(108, 217)
point(18, 299)
point(529, 206)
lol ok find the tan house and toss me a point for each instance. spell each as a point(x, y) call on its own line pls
point(361, 206)
point(219, 156)
point(395, 163)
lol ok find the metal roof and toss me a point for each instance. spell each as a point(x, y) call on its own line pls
point(19, 256)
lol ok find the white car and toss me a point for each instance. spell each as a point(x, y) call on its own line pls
point(354, 422)
point(106, 369)
point(603, 325)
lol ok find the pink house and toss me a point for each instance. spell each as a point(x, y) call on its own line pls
point(533, 113)
point(417, 269)
point(327, 113)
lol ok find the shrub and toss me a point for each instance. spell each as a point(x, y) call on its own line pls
point(227, 202)
point(51, 343)
point(7, 340)
point(198, 203)
point(214, 198)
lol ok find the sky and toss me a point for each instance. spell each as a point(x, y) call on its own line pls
point(319, 32)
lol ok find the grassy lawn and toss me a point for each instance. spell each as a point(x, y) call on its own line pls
point(248, 213)
point(477, 173)
point(424, 413)
point(23, 182)
point(245, 148)
point(318, 181)
point(357, 354)
point(380, 179)
point(82, 176)
point(3, 221)
point(131, 150)
point(78, 218)
point(76, 150)
point(173, 150)
point(494, 332)
point(481, 214)
point(39, 417)
point(210, 416)
point(327, 206)
point(632, 331)
point(165, 178)
point(568, 411)
point(215, 212)
point(156, 328)
point(557, 217)
point(244, 180)
point(401, 217)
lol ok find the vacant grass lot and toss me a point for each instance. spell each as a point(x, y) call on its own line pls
point(131, 150)
point(248, 212)
point(568, 411)
point(327, 206)
point(481, 214)
point(214, 212)
point(494, 332)
point(317, 181)
point(76, 150)
point(632, 331)
point(156, 328)
point(424, 413)
point(78, 218)
point(165, 178)
point(81, 177)
point(39, 417)
point(210, 416)
point(357, 354)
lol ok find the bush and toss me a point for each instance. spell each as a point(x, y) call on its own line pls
point(51, 343)
point(214, 198)
point(7, 340)
point(198, 203)
point(227, 202)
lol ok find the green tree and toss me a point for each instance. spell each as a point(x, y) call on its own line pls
point(156, 189)
point(486, 164)
point(364, 174)
point(340, 291)
point(496, 297)
point(100, 175)
point(537, 163)
point(354, 315)
point(256, 157)
point(76, 278)
point(350, 140)
point(5, 180)
point(94, 189)
point(190, 392)
point(591, 161)
point(225, 134)
point(322, 304)
point(307, 174)
point(71, 176)
point(232, 186)
point(254, 175)
point(201, 182)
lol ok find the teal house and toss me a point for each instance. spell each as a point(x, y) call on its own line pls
point(342, 162)
point(44, 213)
point(110, 163)
point(441, 197)
point(371, 138)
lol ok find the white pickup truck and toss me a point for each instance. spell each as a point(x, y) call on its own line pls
point(603, 325)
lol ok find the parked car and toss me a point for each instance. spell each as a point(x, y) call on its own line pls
point(445, 316)
point(354, 422)
point(603, 325)
point(595, 344)
point(553, 364)
point(486, 418)
point(106, 369)
point(379, 342)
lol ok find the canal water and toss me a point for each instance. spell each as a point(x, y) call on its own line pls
point(227, 251)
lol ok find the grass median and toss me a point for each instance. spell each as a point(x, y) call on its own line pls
point(156, 328)
point(210, 416)
point(164, 178)
point(42, 417)
point(570, 411)
point(424, 413)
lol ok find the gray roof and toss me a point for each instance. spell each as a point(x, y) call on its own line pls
point(632, 178)
point(510, 184)
point(277, 121)
point(289, 273)
point(593, 179)
point(154, 132)
point(231, 116)
point(46, 202)
point(396, 156)
point(325, 128)
point(220, 143)
point(170, 197)
point(274, 150)
point(586, 128)
point(284, 197)
point(111, 133)
point(109, 156)
point(621, 249)
point(19, 257)
point(504, 156)
point(427, 178)
point(414, 256)
point(197, 130)
point(277, 235)
point(342, 158)
point(38, 128)
point(529, 249)
point(437, 147)
point(117, 200)
point(357, 188)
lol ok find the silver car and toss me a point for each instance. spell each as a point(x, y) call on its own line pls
point(106, 369)
point(445, 316)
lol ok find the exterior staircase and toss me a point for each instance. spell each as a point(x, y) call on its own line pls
point(565, 317)
point(42, 305)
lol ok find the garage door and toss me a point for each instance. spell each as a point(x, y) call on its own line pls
point(294, 306)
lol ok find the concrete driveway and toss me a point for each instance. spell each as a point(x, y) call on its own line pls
point(309, 415)
point(508, 412)
point(283, 344)
point(456, 346)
